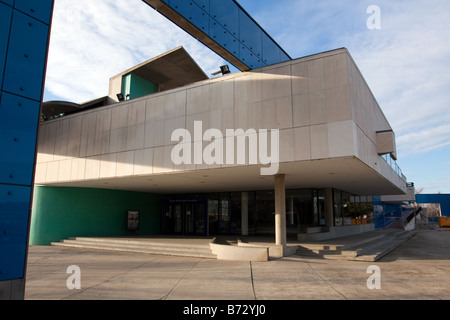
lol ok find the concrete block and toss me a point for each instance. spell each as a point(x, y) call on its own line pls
point(41, 172)
point(287, 145)
point(125, 164)
point(119, 116)
point(78, 169)
point(386, 143)
point(240, 253)
point(342, 139)
point(299, 73)
point(300, 106)
point(64, 170)
point(52, 171)
point(92, 167)
point(319, 141)
point(317, 107)
point(276, 83)
point(143, 161)
point(337, 101)
point(108, 165)
point(276, 113)
point(154, 134)
point(302, 143)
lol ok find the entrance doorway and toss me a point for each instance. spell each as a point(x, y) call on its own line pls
point(184, 217)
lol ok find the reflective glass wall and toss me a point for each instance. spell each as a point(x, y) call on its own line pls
point(305, 208)
point(352, 209)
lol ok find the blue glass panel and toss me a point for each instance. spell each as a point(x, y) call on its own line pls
point(193, 13)
point(224, 38)
point(204, 4)
point(249, 58)
point(250, 34)
point(269, 50)
point(26, 57)
point(14, 213)
point(18, 127)
point(39, 9)
point(284, 56)
point(227, 14)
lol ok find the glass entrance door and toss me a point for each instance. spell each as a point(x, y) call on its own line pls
point(189, 218)
point(172, 218)
point(184, 217)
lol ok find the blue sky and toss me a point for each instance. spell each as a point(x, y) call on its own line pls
point(406, 62)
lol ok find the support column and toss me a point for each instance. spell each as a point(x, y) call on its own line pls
point(244, 213)
point(280, 210)
point(329, 207)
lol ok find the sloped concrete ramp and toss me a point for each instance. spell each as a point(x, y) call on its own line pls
point(368, 246)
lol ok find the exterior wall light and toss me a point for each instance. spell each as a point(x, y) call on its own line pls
point(223, 70)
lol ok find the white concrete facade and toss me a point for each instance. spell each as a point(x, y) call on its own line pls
point(327, 117)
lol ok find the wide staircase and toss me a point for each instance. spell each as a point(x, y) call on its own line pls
point(186, 247)
point(369, 246)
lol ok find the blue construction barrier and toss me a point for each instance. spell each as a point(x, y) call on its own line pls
point(442, 199)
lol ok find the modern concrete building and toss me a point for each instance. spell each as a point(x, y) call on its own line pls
point(331, 148)
point(95, 164)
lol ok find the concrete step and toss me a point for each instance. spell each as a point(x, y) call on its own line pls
point(143, 245)
point(140, 246)
point(318, 253)
point(140, 242)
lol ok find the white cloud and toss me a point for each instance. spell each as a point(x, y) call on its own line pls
point(426, 139)
point(436, 186)
point(405, 63)
point(92, 41)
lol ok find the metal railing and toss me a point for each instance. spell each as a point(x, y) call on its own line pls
point(395, 222)
point(393, 164)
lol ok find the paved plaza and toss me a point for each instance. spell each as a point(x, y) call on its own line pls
point(417, 270)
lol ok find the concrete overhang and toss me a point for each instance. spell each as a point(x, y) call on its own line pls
point(170, 70)
point(400, 199)
point(346, 173)
point(55, 108)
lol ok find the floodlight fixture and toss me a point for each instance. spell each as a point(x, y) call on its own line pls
point(223, 70)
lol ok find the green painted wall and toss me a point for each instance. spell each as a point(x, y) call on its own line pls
point(136, 87)
point(59, 213)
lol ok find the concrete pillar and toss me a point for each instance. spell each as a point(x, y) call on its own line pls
point(244, 213)
point(280, 210)
point(329, 207)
